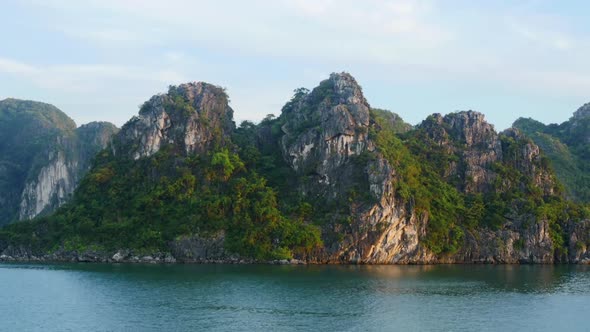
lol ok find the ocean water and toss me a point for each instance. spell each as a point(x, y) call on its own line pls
point(102, 297)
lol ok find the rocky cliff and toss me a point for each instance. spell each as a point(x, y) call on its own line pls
point(331, 180)
point(193, 117)
point(44, 156)
point(567, 145)
point(327, 130)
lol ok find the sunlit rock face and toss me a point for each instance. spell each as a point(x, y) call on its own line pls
point(325, 137)
point(192, 117)
point(325, 128)
point(326, 141)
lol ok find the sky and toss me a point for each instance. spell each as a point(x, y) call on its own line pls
point(98, 60)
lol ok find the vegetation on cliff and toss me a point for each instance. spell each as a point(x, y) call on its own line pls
point(145, 204)
point(568, 147)
point(33, 136)
point(329, 179)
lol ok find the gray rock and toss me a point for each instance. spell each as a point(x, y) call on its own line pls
point(200, 249)
point(190, 116)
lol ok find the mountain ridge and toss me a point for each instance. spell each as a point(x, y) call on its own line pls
point(330, 180)
point(44, 154)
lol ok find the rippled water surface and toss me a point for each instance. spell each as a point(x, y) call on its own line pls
point(90, 297)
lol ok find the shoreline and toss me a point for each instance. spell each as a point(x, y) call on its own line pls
point(150, 260)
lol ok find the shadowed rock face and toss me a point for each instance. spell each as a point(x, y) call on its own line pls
point(582, 112)
point(43, 156)
point(567, 146)
point(578, 127)
point(65, 165)
point(193, 117)
point(579, 242)
point(527, 159)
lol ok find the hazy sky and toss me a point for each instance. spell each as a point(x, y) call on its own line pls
point(99, 60)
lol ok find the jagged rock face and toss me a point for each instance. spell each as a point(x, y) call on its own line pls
point(64, 166)
point(478, 147)
point(326, 130)
point(43, 155)
point(516, 243)
point(196, 249)
point(51, 188)
point(389, 232)
point(567, 146)
point(476, 142)
point(384, 232)
point(323, 130)
point(192, 117)
point(579, 242)
point(527, 159)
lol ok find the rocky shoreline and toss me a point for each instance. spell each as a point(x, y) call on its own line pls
point(21, 254)
point(129, 257)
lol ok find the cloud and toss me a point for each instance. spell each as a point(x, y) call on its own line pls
point(85, 77)
point(268, 46)
point(375, 30)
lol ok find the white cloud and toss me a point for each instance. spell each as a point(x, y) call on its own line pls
point(155, 43)
point(318, 29)
point(85, 77)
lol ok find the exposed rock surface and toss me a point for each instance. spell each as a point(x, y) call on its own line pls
point(326, 129)
point(326, 141)
point(515, 244)
point(527, 158)
point(579, 242)
point(474, 140)
point(196, 249)
point(191, 116)
point(43, 157)
point(51, 188)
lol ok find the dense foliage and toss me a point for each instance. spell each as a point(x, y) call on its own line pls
point(421, 182)
point(243, 188)
point(144, 205)
point(567, 147)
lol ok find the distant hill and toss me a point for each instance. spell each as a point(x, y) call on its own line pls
point(568, 147)
point(42, 157)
